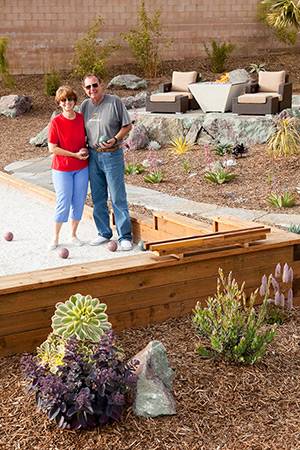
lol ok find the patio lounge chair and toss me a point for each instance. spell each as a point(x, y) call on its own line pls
point(270, 95)
point(174, 97)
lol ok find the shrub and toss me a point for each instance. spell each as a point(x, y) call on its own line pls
point(79, 375)
point(218, 55)
point(222, 149)
point(4, 72)
point(149, 43)
point(232, 327)
point(90, 54)
point(284, 137)
point(279, 294)
point(257, 68)
point(52, 82)
point(155, 175)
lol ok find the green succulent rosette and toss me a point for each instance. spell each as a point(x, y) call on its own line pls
point(82, 317)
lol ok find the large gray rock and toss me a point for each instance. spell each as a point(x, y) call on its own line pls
point(239, 75)
point(231, 130)
point(14, 105)
point(162, 129)
point(194, 131)
point(138, 137)
point(128, 82)
point(41, 139)
point(152, 397)
point(135, 101)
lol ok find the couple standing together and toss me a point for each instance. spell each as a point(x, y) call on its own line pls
point(70, 135)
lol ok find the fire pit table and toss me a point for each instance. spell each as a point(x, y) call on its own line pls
point(216, 96)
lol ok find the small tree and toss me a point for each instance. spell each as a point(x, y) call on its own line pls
point(218, 55)
point(4, 72)
point(90, 53)
point(148, 44)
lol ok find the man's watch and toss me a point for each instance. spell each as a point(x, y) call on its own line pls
point(116, 140)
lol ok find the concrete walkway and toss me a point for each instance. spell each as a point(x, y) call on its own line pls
point(38, 171)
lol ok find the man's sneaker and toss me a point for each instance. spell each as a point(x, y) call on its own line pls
point(98, 240)
point(126, 245)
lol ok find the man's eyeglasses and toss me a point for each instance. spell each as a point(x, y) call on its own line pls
point(70, 99)
point(94, 85)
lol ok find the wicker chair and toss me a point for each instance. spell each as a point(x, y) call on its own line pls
point(270, 95)
point(174, 97)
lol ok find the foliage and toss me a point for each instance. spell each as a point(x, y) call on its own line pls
point(149, 42)
point(134, 169)
point(284, 137)
point(90, 54)
point(185, 165)
point(293, 228)
point(82, 394)
point(78, 374)
point(280, 304)
point(154, 177)
point(82, 317)
point(4, 72)
point(239, 150)
point(220, 176)
point(282, 17)
point(201, 78)
point(52, 82)
point(257, 68)
point(231, 326)
point(222, 149)
point(180, 146)
point(131, 167)
point(218, 55)
point(284, 200)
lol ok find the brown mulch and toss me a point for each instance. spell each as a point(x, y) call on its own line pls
point(220, 405)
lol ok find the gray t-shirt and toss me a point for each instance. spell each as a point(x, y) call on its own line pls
point(107, 118)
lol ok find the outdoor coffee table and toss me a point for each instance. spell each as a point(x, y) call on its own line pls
point(216, 96)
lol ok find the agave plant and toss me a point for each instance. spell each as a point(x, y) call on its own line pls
point(220, 176)
point(285, 200)
point(180, 146)
point(82, 317)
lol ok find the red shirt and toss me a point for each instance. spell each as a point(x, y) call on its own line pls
point(68, 135)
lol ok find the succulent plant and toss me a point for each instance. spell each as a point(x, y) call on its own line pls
point(51, 352)
point(82, 317)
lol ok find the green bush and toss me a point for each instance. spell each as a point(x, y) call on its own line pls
point(231, 326)
point(4, 72)
point(52, 82)
point(148, 44)
point(218, 55)
point(90, 54)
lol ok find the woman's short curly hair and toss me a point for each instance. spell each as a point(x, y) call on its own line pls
point(65, 92)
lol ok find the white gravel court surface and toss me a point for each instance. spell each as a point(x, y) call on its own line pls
point(30, 219)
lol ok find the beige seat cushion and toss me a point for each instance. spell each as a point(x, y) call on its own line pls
point(169, 96)
point(270, 81)
point(181, 80)
point(258, 97)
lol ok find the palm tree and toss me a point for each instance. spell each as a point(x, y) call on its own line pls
point(283, 13)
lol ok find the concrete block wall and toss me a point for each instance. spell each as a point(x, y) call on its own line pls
point(42, 32)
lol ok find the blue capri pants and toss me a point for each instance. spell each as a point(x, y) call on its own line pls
point(71, 190)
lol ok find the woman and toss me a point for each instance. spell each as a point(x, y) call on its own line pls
point(66, 140)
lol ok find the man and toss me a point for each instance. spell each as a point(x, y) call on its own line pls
point(105, 115)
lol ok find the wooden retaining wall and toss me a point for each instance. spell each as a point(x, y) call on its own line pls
point(140, 289)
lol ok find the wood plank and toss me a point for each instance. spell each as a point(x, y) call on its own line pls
point(226, 222)
point(177, 225)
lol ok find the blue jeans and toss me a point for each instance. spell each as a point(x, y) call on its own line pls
point(107, 174)
point(71, 189)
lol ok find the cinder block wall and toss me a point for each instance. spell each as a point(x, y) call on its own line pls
point(41, 32)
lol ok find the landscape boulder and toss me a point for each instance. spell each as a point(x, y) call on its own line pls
point(14, 105)
point(239, 75)
point(138, 137)
point(135, 101)
point(152, 396)
point(128, 82)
